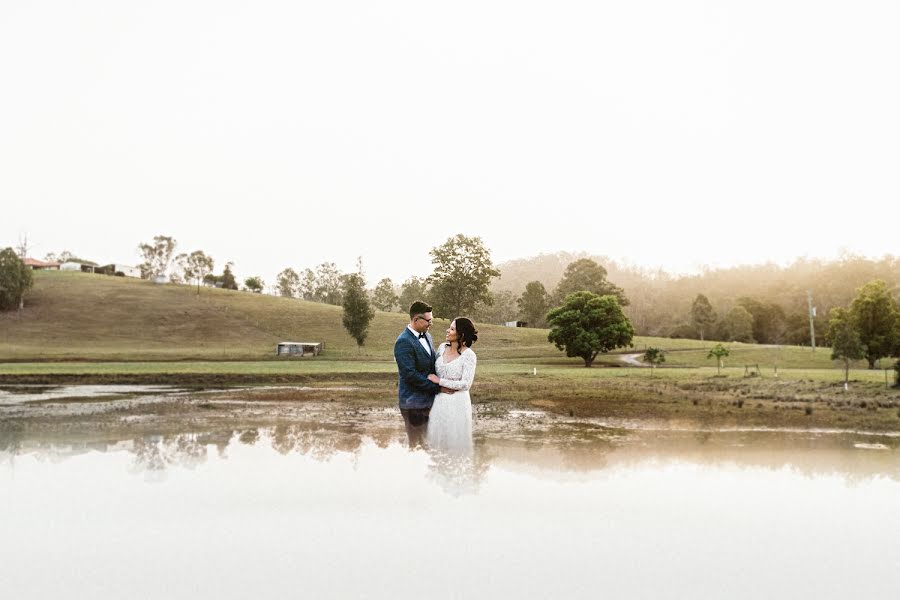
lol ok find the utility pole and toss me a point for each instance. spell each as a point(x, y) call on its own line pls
point(23, 247)
point(812, 323)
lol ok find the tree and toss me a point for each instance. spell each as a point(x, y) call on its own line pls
point(157, 256)
point(874, 315)
point(737, 326)
point(307, 289)
point(64, 256)
point(329, 284)
point(655, 357)
point(502, 309)
point(769, 320)
point(702, 313)
point(718, 352)
point(412, 289)
point(288, 283)
point(228, 281)
point(462, 276)
point(225, 280)
point(358, 313)
point(255, 284)
point(195, 266)
point(587, 324)
point(585, 275)
point(897, 374)
point(15, 280)
point(534, 303)
point(845, 340)
point(384, 297)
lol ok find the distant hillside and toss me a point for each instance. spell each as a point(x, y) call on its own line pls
point(661, 303)
point(71, 316)
point(80, 316)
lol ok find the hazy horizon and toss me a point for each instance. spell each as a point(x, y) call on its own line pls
point(284, 134)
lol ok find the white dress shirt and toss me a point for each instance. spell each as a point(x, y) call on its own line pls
point(422, 340)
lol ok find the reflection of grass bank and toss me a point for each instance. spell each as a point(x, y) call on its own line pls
point(797, 398)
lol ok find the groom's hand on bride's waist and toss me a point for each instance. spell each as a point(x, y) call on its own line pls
point(447, 390)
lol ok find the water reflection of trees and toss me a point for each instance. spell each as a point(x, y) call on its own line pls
point(157, 453)
point(558, 448)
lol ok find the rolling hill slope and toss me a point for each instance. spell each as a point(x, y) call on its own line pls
point(78, 316)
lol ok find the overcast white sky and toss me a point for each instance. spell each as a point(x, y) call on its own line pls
point(274, 134)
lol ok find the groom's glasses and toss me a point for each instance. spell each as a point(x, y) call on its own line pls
point(424, 319)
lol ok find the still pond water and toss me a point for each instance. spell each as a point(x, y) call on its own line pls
point(300, 512)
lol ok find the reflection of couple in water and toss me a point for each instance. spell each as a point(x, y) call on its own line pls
point(434, 395)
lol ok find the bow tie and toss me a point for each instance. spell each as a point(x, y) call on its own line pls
point(421, 335)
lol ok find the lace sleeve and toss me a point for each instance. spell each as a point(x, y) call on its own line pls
point(468, 373)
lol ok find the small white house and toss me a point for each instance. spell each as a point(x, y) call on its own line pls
point(77, 266)
point(516, 324)
point(125, 270)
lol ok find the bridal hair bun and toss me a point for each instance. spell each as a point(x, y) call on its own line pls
point(466, 332)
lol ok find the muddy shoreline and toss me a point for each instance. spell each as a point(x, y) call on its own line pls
point(185, 379)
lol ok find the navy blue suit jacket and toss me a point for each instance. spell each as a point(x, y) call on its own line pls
point(415, 364)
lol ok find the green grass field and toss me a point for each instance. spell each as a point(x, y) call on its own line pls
point(80, 328)
point(84, 317)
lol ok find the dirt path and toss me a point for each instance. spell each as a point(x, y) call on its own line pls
point(632, 360)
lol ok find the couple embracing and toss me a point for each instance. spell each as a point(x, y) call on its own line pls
point(434, 384)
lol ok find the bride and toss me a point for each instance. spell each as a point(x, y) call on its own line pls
point(450, 422)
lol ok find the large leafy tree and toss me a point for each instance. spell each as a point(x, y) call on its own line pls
point(195, 266)
point(874, 314)
point(769, 320)
point(412, 289)
point(737, 326)
point(383, 297)
point(157, 255)
point(288, 282)
point(587, 324)
point(462, 276)
point(358, 313)
point(15, 280)
point(585, 275)
point(534, 303)
point(844, 337)
point(255, 284)
point(702, 314)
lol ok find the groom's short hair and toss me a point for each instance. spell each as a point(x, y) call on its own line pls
point(419, 308)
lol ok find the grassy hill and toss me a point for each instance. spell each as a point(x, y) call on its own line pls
point(78, 316)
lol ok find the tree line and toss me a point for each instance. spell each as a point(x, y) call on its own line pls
point(196, 267)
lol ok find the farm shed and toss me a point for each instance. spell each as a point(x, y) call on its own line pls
point(299, 348)
point(78, 266)
point(116, 268)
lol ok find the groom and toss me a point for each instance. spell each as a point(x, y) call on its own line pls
point(414, 353)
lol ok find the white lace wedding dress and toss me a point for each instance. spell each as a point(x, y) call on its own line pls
point(450, 421)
